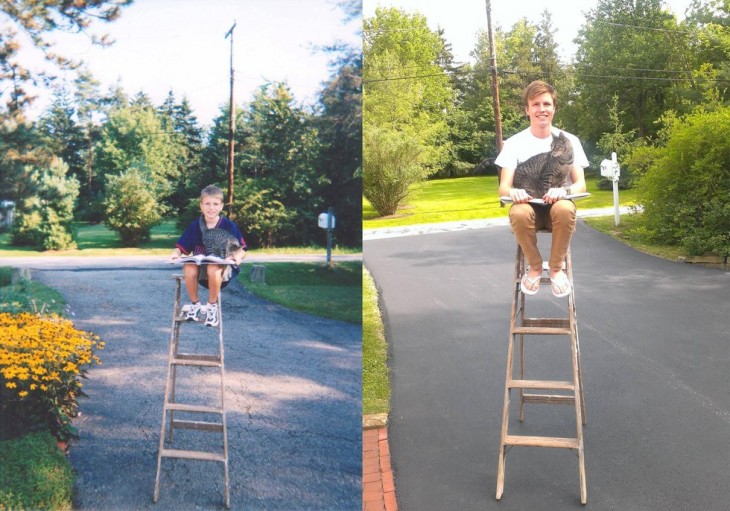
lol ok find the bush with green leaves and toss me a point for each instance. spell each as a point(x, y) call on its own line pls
point(686, 190)
point(390, 166)
point(44, 218)
point(131, 206)
point(265, 221)
point(34, 474)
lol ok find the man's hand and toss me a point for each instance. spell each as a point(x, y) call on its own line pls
point(554, 194)
point(519, 196)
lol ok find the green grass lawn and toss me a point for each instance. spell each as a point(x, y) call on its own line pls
point(99, 240)
point(375, 385)
point(469, 198)
point(334, 293)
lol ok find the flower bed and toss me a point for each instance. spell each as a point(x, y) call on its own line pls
point(42, 362)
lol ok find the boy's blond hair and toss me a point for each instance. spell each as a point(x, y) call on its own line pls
point(212, 191)
point(539, 87)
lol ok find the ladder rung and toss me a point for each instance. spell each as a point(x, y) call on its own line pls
point(197, 425)
point(541, 384)
point(541, 441)
point(193, 455)
point(181, 407)
point(540, 330)
point(200, 360)
point(198, 356)
point(548, 398)
point(547, 322)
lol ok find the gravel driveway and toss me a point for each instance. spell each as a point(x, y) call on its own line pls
point(293, 396)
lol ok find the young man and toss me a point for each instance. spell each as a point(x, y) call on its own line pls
point(557, 214)
point(214, 277)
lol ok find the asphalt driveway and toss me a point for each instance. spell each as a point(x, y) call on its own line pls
point(655, 344)
point(293, 396)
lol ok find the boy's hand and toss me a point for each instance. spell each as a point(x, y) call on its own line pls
point(237, 257)
point(175, 255)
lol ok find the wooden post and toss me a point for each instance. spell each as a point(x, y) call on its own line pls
point(495, 82)
point(231, 130)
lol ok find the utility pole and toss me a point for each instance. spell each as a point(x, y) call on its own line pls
point(495, 83)
point(231, 129)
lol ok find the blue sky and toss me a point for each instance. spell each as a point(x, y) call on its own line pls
point(180, 45)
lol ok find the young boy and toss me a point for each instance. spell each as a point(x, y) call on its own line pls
point(214, 277)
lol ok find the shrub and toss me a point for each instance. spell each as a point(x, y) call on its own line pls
point(390, 167)
point(34, 474)
point(685, 192)
point(41, 362)
point(132, 208)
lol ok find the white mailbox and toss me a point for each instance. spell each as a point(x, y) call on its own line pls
point(322, 221)
point(610, 168)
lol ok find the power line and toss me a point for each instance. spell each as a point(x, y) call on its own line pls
point(639, 27)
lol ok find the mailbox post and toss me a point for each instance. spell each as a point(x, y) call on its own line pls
point(327, 221)
point(611, 169)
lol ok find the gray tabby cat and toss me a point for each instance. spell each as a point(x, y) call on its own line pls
point(219, 242)
point(545, 170)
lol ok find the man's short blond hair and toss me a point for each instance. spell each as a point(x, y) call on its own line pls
point(212, 191)
point(539, 87)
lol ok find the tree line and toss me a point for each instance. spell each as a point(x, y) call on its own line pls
point(640, 80)
point(105, 156)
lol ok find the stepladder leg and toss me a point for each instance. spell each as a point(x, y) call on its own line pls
point(505, 420)
point(582, 476)
point(500, 472)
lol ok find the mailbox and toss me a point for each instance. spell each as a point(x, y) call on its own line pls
point(322, 221)
point(610, 168)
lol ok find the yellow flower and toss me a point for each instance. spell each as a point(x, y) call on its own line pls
point(11, 385)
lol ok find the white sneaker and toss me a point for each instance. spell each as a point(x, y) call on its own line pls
point(211, 316)
point(193, 311)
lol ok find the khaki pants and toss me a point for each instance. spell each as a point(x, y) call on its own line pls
point(527, 219)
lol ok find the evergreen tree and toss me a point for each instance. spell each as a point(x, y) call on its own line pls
point(45, 215)
point(61, 134)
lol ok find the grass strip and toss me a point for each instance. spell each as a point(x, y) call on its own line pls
point(629, 231)
point(375, 382)
point(334, 293)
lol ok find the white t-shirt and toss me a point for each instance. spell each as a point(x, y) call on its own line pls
point(524, 145)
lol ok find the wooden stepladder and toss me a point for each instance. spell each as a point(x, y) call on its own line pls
point(171, 406)
point(564, 392)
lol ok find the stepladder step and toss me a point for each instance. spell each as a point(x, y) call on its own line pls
point(180, 407)
point(197, 425)
point(187, 359)
point(542, 441)
point(541, 384)
point(193, 455)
